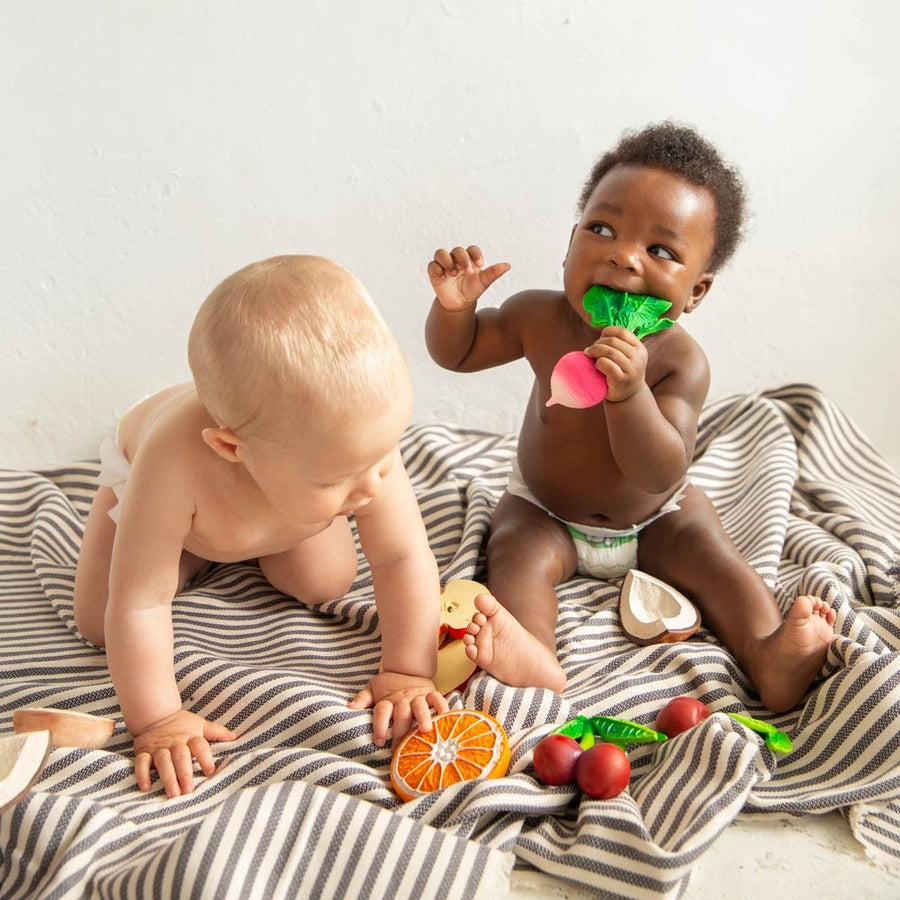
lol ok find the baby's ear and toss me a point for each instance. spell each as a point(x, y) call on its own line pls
point(224, 441)
point(699, 291)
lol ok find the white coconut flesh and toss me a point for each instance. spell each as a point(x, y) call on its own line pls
point(652, 610)
point(22, 758)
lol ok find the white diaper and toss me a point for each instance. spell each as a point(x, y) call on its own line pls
point(605, 553)
point(114, 469)
point(607, 558)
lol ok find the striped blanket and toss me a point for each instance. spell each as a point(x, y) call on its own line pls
point(301, 805)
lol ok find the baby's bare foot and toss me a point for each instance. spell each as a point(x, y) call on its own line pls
point(791, 657)
point(505, 649)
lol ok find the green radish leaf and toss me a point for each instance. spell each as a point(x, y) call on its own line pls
point(639, 313)
point(777, 741)
point(574, 728)
point(623, 731)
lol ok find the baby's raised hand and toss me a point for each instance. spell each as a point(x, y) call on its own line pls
point(622, 358)
point(399, 698)
point(171, 745)
point(459, 278)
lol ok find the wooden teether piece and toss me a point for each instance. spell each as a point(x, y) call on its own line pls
point(67, 727)
point(22, 759)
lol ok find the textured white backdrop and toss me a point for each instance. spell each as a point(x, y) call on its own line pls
point(151, 148)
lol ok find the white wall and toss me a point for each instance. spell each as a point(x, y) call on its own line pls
point(150, 148)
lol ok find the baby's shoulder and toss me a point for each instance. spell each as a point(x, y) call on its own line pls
point(536, 306)
point(163, 431)
point(536, 298)
point(675, 352)
point(677, 341)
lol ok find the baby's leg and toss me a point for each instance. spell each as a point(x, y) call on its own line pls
point(92, 572)
point(513, 637)
point(321, 568)
point(94, 561)
point(690, 550)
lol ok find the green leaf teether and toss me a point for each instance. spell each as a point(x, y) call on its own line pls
point(639, 313)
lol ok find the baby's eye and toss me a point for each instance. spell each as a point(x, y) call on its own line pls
point(330, 485)
point(601, 229)
point(662, 252)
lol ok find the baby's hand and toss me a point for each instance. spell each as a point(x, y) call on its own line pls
point(401, 698)
point(622, 358)
point(458, 278)
point(170, 747)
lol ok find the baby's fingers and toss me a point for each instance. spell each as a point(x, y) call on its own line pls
point(165, 767)
point(200, 749)
point(363, 700)
point(404, 718)
point(183, 762)
point(439, 268)
point(422, 713)
point(466, 259)
point(213, 731)
point(438, 702)
point(142, 763)
point(451, 262)
point(381, 721)
point(455, 261)
point(492, 273)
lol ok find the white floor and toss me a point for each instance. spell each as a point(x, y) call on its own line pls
point(814, 857)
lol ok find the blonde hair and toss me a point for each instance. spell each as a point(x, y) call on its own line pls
point(286, 337)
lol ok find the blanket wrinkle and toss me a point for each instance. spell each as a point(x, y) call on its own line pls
point(807, 499)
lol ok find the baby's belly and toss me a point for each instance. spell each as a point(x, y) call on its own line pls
point(583, 488)
point(605, 510)
point(238, 541)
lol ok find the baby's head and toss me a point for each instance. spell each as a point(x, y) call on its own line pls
point(290, 342)
point(680, 150)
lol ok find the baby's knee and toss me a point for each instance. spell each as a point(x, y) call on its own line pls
point(88, 623)
point(311, 585)
point(683, 541)
point(528, 548)
point(695, 524)
point(328, 586)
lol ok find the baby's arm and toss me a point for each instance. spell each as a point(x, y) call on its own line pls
point(156, 516)
point(651, 429)
point(407, 596)
point(456, 337)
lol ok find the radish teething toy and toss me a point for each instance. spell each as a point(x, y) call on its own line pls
point(575, 381)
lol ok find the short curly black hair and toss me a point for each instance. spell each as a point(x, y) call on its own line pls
point(679, 149)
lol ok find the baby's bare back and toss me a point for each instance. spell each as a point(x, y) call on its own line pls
point(232, 520)
point(564, 454)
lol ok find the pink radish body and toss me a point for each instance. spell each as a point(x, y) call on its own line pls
point(576, 382)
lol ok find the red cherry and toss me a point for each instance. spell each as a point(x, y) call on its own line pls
point(603, 771)
point(680, 714)
point(555, 758)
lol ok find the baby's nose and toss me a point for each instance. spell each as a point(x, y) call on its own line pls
point(625, 256)
point(368, 485)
